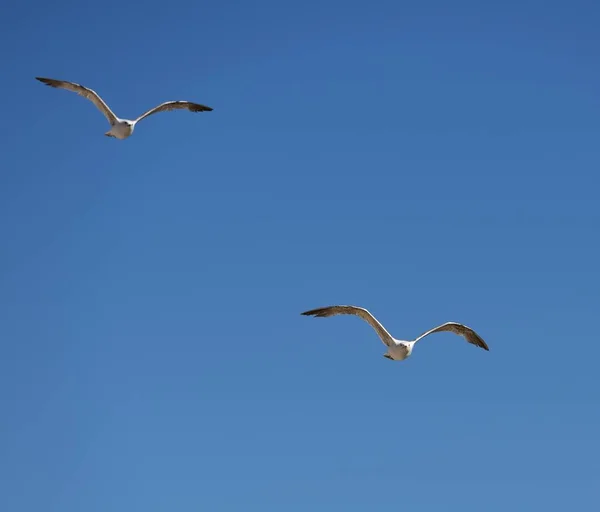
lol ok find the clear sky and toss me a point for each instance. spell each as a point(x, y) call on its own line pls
point(430, 161)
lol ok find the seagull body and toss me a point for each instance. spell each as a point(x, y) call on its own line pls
point(121, 128)
point(397, 350)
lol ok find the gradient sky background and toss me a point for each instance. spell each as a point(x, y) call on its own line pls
point(428, 161)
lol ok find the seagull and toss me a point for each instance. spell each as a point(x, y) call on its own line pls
point(398, 350)
point(120, 128)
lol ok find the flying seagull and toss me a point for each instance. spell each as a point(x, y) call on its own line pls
point(397, 349)
point(120, 128)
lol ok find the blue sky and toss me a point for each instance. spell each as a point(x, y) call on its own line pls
point(428, 161)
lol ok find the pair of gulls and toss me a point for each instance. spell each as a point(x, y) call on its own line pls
point(121, 128)
point(398, 350)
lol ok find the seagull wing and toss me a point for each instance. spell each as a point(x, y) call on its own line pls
point(462, 330)
point(82, 91)
point(353, 310)
point(175, 105)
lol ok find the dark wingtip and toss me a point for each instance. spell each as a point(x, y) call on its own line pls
point(46, 81)
point(319, 312)
point(483, 345)
point(196, 107)
point(312, 312)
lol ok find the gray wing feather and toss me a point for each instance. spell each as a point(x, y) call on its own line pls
point(462, 330)
point(353, 310)
point(175, 105)
point(82, 91)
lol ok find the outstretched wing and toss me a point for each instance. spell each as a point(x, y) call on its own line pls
point(175, 105)
point(82, 91)
point(353, 310)
point(462, 330)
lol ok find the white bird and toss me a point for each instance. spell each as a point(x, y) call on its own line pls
point(121, 128)
point(397, 349)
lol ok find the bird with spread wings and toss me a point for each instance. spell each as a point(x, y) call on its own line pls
point(121, 128)
point(397, 350)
